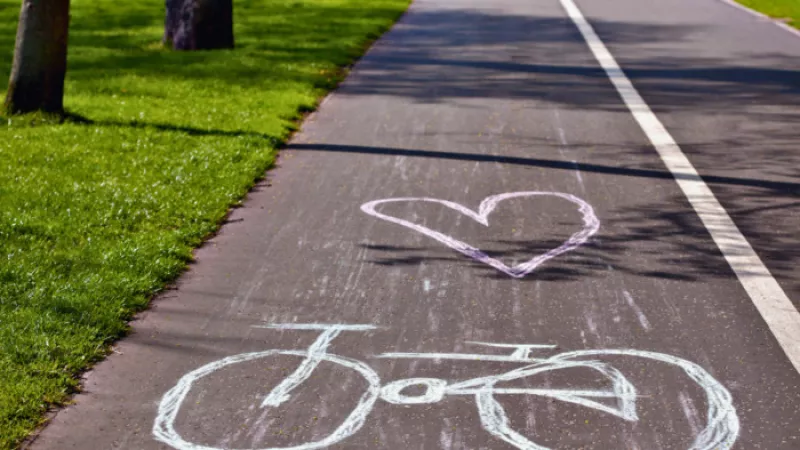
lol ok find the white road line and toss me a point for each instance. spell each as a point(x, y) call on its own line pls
point(769, 298)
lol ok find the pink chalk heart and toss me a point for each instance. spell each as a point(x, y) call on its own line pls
point(590, 226)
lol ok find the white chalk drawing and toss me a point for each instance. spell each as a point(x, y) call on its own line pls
point(164, 428)
point(719, 432)
point(590, 226)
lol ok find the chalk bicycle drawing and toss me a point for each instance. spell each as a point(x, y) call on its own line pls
point(590, 226)
point(720, 431)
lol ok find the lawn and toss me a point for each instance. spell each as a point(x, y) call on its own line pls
point(780, 9)
point(98, 216)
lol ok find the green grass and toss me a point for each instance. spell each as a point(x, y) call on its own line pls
point(95, 218)
point(788, 10)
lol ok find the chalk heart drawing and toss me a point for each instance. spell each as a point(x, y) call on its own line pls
point(590, 226)
point(619, 399)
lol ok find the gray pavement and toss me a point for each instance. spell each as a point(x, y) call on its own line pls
point(464, 100)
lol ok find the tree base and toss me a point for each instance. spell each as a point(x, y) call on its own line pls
point(40, 58)
point(199, 24)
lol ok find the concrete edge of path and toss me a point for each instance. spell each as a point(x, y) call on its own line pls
point(760, 15)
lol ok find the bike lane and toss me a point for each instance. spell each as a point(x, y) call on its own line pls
point(460, 102)
point(726, 84)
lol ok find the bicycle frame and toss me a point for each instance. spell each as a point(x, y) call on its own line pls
point(720, 433)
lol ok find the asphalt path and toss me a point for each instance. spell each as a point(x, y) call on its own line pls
point(539, 278)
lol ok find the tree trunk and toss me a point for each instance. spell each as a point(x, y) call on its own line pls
point(199, 24)
point(40, 58)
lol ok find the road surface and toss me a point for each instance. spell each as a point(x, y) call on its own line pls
point(490, 237)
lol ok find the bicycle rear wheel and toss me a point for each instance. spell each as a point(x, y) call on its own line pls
point(170, 405)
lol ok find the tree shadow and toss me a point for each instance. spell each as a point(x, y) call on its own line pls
point(191, 131)
point(655, 173)
point(447, 56)
point(284, 43)
point(669, 233)
point(107, 42)
point(741, 133)
point(442, 56)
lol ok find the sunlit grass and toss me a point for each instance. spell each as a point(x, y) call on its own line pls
point(95, 217)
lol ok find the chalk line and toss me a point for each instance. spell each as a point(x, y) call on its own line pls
point(458, 357)
point(514, 346)
point(168, 409)
point(521, 352)
point(722, 422)
point(435, 390)
point(637, 310)
point(590, 226)
point(317, 326)
point(315, 354)
point(767, 295)
point(720, 433)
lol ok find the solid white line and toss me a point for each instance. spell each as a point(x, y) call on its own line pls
point(769, 298)
point(740, 7)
